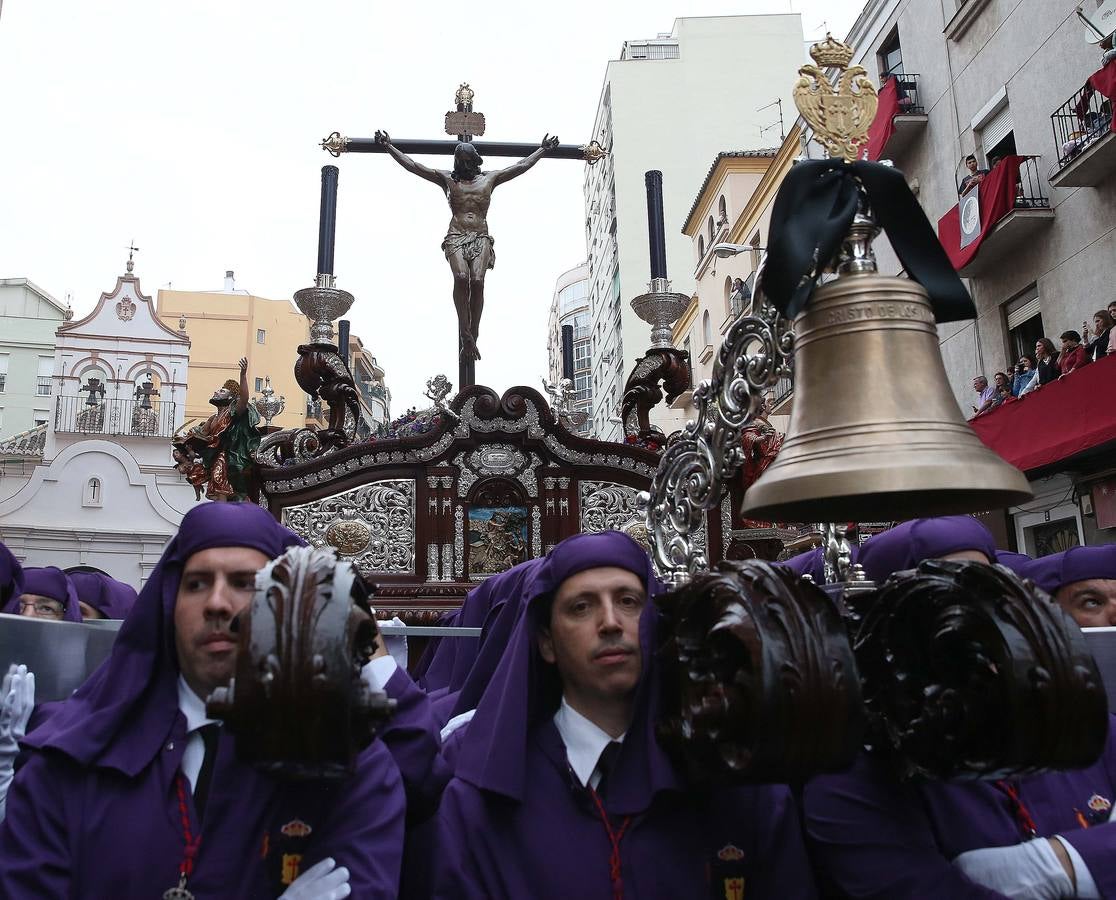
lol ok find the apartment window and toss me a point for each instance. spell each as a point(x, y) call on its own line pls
point(722, 209)
point(259, 385)
point(891, 56)
point(40, 417)
point(712, 230)
point(581, 355)
point(706, 329)
point(584, 392)
point(1024, 322)
point(3, 371)
point(43, 381)
point(261, 335)
point(701, 248)
point(996, 134)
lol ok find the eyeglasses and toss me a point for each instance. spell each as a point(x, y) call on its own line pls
point(48, 609)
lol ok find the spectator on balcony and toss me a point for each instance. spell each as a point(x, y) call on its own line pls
point(1025, 373)
point(1002, 384)
point(1073, 355)
point(1102, 335)
point(1047, 364)
point(1112, 334)
point(987, 395)
point(975, 176)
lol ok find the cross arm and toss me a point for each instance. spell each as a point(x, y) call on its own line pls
point(336, 144)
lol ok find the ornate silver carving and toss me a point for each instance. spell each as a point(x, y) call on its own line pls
point(267, 404)
point(529, 422)
point(695, 469)
point(373, 525)
point(536, 531)
point(549, 483)
point(431, 562)
point(459, 541)
point(447, 562)
point(660, 308)
point(726, 523)
point(607, 506)
point(265, 455)
point(592, 459)
point(431, 481)
point(322, 304)
point(564, 483)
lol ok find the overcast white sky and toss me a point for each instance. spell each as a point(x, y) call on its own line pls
point(192, 128)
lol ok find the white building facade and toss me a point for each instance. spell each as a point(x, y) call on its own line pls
point(104, 491)
point(570, 306)
point(29, 317)
point(672, 104)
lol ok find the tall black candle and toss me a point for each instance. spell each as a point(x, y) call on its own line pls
point(327, 220)
point(343, 339)
point(656, 229)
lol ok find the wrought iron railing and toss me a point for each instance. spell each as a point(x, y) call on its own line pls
point(1078, 123)
point(784, 387)
point(1028, 190)
point(114, 417)
point(910, 100)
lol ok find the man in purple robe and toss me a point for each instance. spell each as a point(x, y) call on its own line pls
point(1045, 836)
point(101, 596)
point(1082, 580)
point(131, 791)
point(48, 593)
point(560, 787)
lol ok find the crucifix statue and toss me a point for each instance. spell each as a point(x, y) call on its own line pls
point(467, 245)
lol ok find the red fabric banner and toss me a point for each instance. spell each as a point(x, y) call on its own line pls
point(1058, 420)
point(1104, 82)
point(997, 198)
point(883, 126)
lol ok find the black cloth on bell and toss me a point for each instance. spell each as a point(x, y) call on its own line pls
point(813, 211)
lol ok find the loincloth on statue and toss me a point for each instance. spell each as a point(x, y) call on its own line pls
point(470, 244)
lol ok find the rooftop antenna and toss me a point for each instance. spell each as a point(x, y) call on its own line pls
point(778, 101)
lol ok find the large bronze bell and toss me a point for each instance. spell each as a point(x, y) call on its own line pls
point(875, 433)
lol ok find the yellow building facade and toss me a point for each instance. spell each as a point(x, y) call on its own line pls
point(224, 326)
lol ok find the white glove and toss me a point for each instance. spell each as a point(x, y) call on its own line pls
point(17, 700)
point(319, 882)
point(396, 644)
point(1027, 871)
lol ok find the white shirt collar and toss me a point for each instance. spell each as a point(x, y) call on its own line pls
point(584, 741)
point(191, 706)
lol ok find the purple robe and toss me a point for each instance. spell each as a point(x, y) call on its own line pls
point(515, 823)
point(48, 581)
point(412, 737)
point(111, 598)
point(870, 836)
point(908, 544)
point(812, 563)
point(95, 812)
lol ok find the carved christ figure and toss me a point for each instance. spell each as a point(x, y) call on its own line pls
point(468, 245)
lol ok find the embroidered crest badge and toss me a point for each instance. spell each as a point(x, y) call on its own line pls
point(296, 828)
point(730, 853)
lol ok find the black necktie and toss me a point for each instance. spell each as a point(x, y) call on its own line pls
point(605, 762)
point(209, 734)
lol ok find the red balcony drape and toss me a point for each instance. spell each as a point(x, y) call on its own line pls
point(1104, 82)
point(997, 198)
point(1065, 417)
point(883, 126)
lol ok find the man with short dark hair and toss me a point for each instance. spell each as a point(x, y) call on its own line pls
point(132, 761)
point(561, 789)
point(975, 176)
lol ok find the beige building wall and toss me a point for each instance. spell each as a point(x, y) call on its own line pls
point(225, 326)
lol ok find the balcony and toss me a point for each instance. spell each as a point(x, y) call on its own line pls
point(783, 398)
point(1084, 136)
point(1012, 208)
point(900, 117)
point(76, 415)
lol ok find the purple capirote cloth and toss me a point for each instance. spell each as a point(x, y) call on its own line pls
point(111, 598)
point(509, 599)
point(11, 579)
point(908, 544)
point(871, 835)
point(812, 563)
point(48, 581)
point(1012, 560)
point(453, 658)
point(521, 693)
point(123, 712)
point(1054, 572)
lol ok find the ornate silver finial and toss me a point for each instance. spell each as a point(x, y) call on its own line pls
point(464, 97)
point(840, 118)
point(335, 144)
point(696, 467)
point(593, 152)
point(268, 404)
point(322, 304)
point(660, 308)
point(132, 249)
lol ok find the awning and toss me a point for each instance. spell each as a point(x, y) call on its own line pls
point(883, 126)
point(997, 198)
point(1059, 420)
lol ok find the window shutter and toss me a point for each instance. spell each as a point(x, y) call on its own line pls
point(996, 129)
point(1021, 314)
